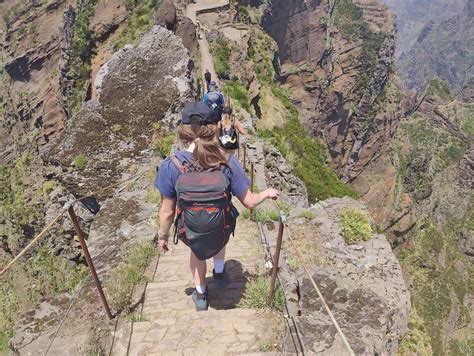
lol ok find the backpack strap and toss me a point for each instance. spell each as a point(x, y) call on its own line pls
point(186, 166)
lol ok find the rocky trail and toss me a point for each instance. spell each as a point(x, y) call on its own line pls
point(172, 326)
point(170, 323)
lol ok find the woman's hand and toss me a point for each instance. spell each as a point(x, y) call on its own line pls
point(163, 243)
point(272, 193)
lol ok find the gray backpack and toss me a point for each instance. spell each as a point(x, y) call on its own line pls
point(205, 216)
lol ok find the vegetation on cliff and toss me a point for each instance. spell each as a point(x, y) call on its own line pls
point(348, 17)
point(279, 122)
point(82, 50)
point(429, 146)
point(139, 21)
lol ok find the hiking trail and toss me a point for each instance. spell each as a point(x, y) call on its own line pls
point(170, 323)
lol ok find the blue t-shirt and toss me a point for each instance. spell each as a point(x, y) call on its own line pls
point(168, 174)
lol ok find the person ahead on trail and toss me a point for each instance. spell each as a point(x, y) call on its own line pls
point(229, 130)
point(215, 100)
point(207, 78)
point(197, 185)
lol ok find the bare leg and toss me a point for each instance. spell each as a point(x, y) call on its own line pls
point(220, 255)
point(198, 270)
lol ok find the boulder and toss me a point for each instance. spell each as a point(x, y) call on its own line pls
point(136, 88)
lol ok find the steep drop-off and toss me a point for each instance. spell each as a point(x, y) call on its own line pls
point(336, 58)
point(420, 191)
point(444, 51)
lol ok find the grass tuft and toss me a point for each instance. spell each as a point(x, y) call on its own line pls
point(355, 225)
point(256, 295)
point(152, 196)
point(130, 273)
point(80, 162)
point(164, 144)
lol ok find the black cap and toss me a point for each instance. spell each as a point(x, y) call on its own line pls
point(197, 108)
point(227, 110)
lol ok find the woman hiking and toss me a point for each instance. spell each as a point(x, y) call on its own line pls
point(229, 130)
point(197, 185)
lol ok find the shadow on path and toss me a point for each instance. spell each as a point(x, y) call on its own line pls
point(228, 298)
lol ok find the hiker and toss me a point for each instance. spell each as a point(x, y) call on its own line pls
point(229, 130)
point(215, 100)
point(198, 185)
point(207, 77)
point(198, 29)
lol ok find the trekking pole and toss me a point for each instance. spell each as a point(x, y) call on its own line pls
point(276, 257)
point(244, 163)
point(87, 255)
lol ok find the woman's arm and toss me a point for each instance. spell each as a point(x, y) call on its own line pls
point(239, 128)
point(167, 212)
point(251, 200)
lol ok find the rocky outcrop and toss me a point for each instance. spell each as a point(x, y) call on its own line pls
point(112, 132)
point(338, 78)
point(279, 174)
point(140, 86)
point(362, 284)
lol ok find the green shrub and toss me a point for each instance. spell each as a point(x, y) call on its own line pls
point(130, 273)
point(256, 295)
point(439, 89)
point(260, 215)
point(82, 51)
point(307, 214)
point(243, 15)
point(164, 144)
point(139, 22)
point(116, 128)
point(238, 92)
point(3, 343)
point(221, 53)
point(48, 187)
point(50, 274)
point(349, 19)
point(245, 214)
point(138, 318)
point(355, 225)
point(293, 263)
point(9, 309)
point(80, 162)
point(152, 196)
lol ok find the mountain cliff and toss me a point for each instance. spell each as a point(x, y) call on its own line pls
point(413, 16)
point(420, 191)
point(443, 50)
point(337, 58)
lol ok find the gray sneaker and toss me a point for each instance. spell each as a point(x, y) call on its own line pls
point(201, 300)
point(221, 280)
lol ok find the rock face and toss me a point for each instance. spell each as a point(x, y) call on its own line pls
point(444, 50)
point(279, 174)
point(420, 190)
point(337, 62)
point(138, 87)
point(362, 284)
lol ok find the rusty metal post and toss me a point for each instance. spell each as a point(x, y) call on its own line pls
point(244, 162)
point(276, 257)
point(82, 241)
